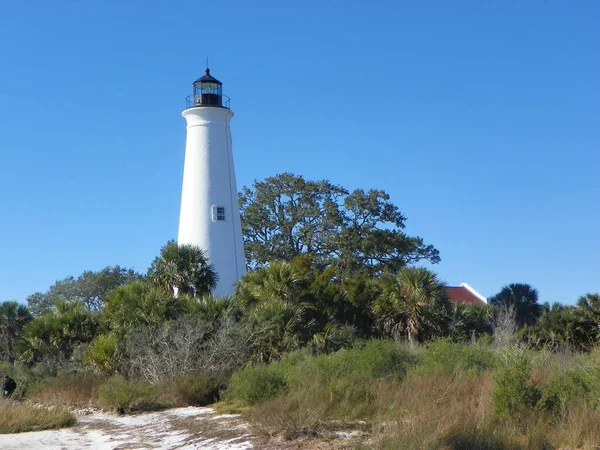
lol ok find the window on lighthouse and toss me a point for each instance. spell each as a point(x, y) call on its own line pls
point(218, 213)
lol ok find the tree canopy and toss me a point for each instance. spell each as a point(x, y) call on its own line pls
point(90, 289)
point(523, 298)
point(183, 269)
point(13, 318)
point(360, 231)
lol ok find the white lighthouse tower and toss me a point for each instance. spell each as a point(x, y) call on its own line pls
point(210, 216)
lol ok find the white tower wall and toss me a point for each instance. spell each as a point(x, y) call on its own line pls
point(208, 185)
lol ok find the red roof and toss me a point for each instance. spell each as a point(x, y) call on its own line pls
point(462, 294)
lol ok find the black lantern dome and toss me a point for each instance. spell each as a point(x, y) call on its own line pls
point(208, 91)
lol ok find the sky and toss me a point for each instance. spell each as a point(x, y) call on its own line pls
point(480, 119)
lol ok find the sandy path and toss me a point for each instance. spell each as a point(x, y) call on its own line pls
point(179, 428)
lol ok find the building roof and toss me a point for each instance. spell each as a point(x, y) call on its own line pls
point(465, 294)
point(207, 78)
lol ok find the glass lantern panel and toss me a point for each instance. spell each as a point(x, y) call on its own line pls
point(209, 88)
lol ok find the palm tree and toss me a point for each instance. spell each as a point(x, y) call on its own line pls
point(413, 304)
point(13, 318)
point(469, 321)
point(589, 308)
point(561, 325)
point(183, 269)
point(523, 298)
point(271, 301)
point(55, 334)
point(279, 282)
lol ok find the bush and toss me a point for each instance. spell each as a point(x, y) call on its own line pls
point(20, 417)
point(102, 354)
point(128, 395)
point(577, 387)
point(448, 356)
point(514, 396)
point(258, 383)
point(196, 389)
point(371, 360)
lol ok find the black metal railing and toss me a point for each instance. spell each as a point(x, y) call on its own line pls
point(192, 101)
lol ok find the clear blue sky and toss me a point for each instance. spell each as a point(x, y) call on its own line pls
point(480, 119)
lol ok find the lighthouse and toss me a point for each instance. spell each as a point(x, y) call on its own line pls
point(210, 215)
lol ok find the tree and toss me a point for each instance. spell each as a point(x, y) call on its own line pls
point(471, 321)
point(90, 289)
point(183, 269)
point(523, 298)
point(279, 282)
point(13, 318)
point(132, 306)
point(286, 216)
point(562, 325)
point(589, 306)
point(271, 300)
point(140, 304)
point(54, 335)
point(412, 304)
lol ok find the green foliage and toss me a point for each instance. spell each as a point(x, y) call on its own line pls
point(577, 386)
point(90, 289)
point(183, 269)
point(355, 308)
point(447, 356)
point(137, 304)
point(258, 383)
point(276, 328)
point(13, 318)
point(374, 359)
point(278, 283)
point(196, 389)
point(413, 304)
point(103, 354)
point(523, 298)
point(54, 335)
point(342, 374)
point(514, 395)
point(211, 308)
point(124, 395)
point(469, 322)
point(589, 307)
point(286, 216)
point(562, 326)
point(270, 299)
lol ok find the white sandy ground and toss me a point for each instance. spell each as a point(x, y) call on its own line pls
point(180, 428)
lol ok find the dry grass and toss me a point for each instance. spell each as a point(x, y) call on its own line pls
point(74, 391)
point(455, 412)
point(436, 411)
point(20, 417)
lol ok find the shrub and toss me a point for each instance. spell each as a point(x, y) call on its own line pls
point(128, 395)
point(447, 356)
point(370, 360)
point(195, 389)
point(258, 383)
point(514, 396)
point(20, 417)
point(576, 387)
point(102, 353)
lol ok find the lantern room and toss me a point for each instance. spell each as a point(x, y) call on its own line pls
point(208, 91)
